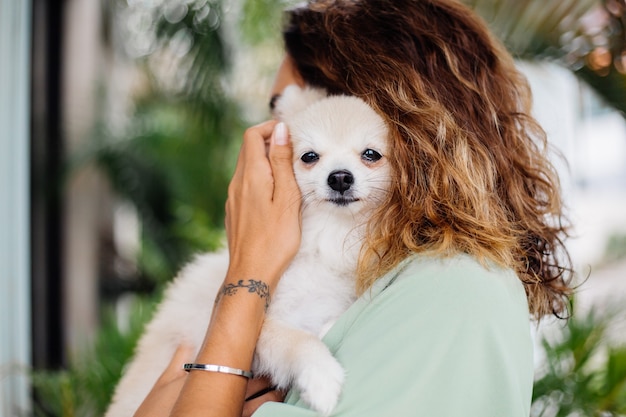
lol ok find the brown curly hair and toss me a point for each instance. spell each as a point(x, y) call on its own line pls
point(471, 168)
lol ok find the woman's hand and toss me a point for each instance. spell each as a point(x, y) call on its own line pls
point(264, 387)
point(263, 229)
point(263, 207)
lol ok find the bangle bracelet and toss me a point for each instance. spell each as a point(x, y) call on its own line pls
point(217, 368)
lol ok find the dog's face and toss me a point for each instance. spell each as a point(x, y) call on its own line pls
point(340, 147)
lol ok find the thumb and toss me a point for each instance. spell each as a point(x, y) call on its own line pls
point(280, 156)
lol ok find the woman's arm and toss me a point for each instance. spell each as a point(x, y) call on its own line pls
point(167, 389)
point(263, 229)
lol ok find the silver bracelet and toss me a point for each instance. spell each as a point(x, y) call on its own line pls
point(217, 368)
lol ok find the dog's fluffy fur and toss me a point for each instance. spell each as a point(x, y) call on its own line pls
point(339, 147)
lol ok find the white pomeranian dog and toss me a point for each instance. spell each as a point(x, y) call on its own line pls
point(339, 146)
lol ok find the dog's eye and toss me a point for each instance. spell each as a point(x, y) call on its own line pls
point(371, 155)
point(309, 157)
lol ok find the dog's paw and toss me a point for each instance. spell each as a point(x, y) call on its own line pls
point(320, 382)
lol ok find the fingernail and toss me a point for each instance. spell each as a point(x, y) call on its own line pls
point(280, 134)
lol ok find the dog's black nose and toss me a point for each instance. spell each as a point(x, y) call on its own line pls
point(340, 180)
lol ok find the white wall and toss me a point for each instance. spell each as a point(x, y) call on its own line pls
point(14, 206)
point(592, 138)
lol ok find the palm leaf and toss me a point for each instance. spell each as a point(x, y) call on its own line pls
point(559, 30)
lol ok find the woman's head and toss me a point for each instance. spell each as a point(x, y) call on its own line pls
point(471, 174)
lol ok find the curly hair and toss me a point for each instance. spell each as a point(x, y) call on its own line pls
point(471, 170)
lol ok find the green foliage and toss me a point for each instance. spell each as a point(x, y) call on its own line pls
point(190, 32)
point(174, 167)
point(174, 157)
point(261, 20)
point(85, 388)
point(584, 373)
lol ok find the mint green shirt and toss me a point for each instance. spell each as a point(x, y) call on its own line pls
point(434, 338)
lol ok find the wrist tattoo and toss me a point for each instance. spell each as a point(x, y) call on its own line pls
point(253, 286)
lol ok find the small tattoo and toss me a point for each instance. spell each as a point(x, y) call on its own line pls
point(253, 286)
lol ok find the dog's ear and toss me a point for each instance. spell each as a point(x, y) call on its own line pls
point(295, 99)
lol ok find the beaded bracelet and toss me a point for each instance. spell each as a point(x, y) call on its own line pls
point(217, 368)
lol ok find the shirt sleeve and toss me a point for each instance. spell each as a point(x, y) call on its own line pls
point(449, 340)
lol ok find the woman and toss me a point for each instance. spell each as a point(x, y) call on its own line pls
point(467, 244)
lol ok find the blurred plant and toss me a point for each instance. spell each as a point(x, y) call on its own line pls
point(261, 21)
point(586, 36)
point(584, 374)
point(174, 169)
point(85, 388)
point(171, 158)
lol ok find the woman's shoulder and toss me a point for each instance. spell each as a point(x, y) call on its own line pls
point(459, 269)
point(458, 284)
point(439, 298)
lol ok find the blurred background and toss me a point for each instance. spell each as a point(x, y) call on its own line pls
point(121, 121)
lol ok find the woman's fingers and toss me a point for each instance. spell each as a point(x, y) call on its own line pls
point(260, 391)
point(255, 141)
point(249, 407)
point(281, 161)
point(253, 157)
point(252, 181)
point(286, 194)
point(263, 206)
point(253, 149)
